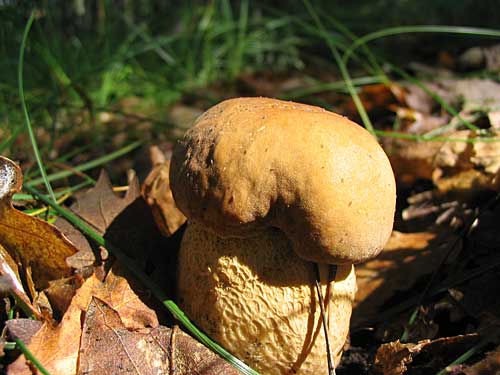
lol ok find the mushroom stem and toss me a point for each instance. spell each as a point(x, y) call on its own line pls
point(331, 364)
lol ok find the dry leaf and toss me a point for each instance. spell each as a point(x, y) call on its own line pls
point(128, 224)
point(10, 283)
point(100, 205)
point(405, 258)
point(23, 329)
point(108, 347)
point(33, 243)
point(57, 347)
point(156, 191)
point(392, 358)
point(467, 167)
point(488, 366)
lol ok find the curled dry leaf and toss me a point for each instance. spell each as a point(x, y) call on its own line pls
point(156, 191)
point(158, 350)
point(33, 243)
point(9, 283)
point(393, 357)
point(58, 347)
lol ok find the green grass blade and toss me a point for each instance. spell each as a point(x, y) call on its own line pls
point(86, 166)
point(150, 284)
point(343, 69)
point(72, 189)
point(457, 30)
point(30, 357)
point(424, 138)
point(434, 96)
point(25, 109)
point(464, 357)
point(330, 86)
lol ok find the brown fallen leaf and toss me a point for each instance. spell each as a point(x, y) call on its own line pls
point(57, 347)
point(394, 358)
point(126, 222)
point(376, 99)
point(23, 329)
point(488, 366)
point(406, 258)
point(10, 284)
point(108, 347)
point(467, 168)
point(37, 246)
point(156, 191)
point(100, 205)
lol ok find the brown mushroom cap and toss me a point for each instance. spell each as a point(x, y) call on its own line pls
point(252, 163)
point(255, 297)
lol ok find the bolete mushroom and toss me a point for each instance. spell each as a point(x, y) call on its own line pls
point(269, 187)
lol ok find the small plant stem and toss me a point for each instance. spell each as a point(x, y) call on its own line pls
point(86, 166)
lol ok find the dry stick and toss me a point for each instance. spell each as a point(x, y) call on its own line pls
point(331, 364)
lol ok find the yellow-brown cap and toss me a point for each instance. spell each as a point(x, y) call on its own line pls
point(251, 163)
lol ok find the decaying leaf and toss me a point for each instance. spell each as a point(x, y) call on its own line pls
point(477, 100)
point(23, 329)
point(156, 191)
point(107, 346)
point(10, 284)
point(33, 243)
point(126, 222)
point(392, 358)
point(57, 347)
point(100, 205)
point(468, 167)
point(488, 366)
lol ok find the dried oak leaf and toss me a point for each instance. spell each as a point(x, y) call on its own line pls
point(40, 248)
point(107, 346)
point(57, 347)
point(127, 223)
point(157, 194)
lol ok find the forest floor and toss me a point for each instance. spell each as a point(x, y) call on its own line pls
point(428, 304)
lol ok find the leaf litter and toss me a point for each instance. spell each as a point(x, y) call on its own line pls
point(102, 297)
point(440, 264)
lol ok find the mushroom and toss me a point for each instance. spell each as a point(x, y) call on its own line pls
point(269, 188)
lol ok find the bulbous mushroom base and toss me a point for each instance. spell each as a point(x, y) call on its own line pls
point(257, 298)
